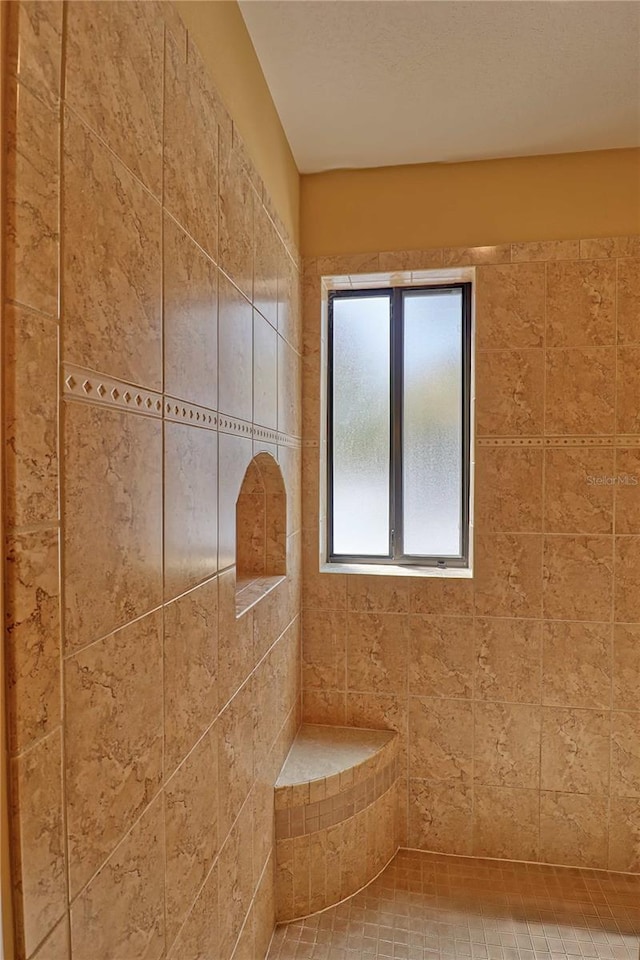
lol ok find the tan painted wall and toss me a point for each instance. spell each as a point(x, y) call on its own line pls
point(562, 197)
point(219, 32)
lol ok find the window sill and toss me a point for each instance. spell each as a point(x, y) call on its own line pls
point(388, 570)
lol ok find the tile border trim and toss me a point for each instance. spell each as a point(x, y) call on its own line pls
point(87, 386)
point(90, 387)
point(622, 440)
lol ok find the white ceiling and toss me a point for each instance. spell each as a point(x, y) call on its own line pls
point(362, 83)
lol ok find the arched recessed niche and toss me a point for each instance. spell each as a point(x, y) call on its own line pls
point(261, 532)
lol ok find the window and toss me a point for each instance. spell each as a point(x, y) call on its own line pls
point(398, 425)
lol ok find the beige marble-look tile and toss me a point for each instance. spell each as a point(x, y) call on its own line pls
point(581, 303)
point(235, 640)
point(264, 912)
point(629, 301)
point(377, 648)
point(312, 412)
point(402, 261)
point(284, 879)
point(265, 373)
point(627, 579)
point(508, 575)
point(289, 302)
point(440, 817)
point(190, 320)
point(170, 13)
point(624, 835)
point(324, 706)
point(627, 490)
point(235, 882)
point(508, 490)
point(510, 306)
point(463, 256)
point(289, 460)
point(235, 352)
point(434, 595)
point(113, 537)
point(324, 649)
point(235, 756)
point(191, 828)
point(577, 664)
point(190, 670)
point(507, 744)
point(580, 388)
point(56, 946)
point(376, 711)
point(266, 266)
point(508, 660)
point(578, 578)
point(347, 263)
point(198, 938)
point(271, 616)
point(578, 490)
point(626, 666)
point(36, 56)
point(440, 739)
point(263, 824)
point(113, 740)
point(33, 636)
point(191, 114)
point(111, 278)
point(575, 750)
point(289, 390)
point(441, 656)
point(38, 839)
point(627, 390)
point(571, 829)
point(31, 436)
point(506, 823)
point(509, 392)
point(119, 93)
point(377, 594)
point(121, 912)
point(320, 591)
point(234, 457)
point(269, 711)
point(601, 247)
point(545, 250)
point(237, 211)
point(625, 754)
point(32, 188)
point(190, 502)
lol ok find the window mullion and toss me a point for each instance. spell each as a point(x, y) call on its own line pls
point(396, 424)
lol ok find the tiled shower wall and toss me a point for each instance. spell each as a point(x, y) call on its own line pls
point(152, 348)
point(515, 693)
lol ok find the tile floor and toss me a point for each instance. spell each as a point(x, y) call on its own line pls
point(426, 905)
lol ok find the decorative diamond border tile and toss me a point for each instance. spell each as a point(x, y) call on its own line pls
point(86, 385)
point(604, 441)
point(91, 387)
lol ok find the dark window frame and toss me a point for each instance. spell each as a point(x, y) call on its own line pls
point(396, 555)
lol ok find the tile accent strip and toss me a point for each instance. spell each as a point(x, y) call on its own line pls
point(622, 440)
point(308, 818)
point(91, 387)
point(178, 411)
point(88, 386)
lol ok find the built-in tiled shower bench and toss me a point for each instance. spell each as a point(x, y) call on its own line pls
point(337, 815)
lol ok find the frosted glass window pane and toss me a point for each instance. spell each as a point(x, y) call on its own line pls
point(433, 426)
point(361, 425)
